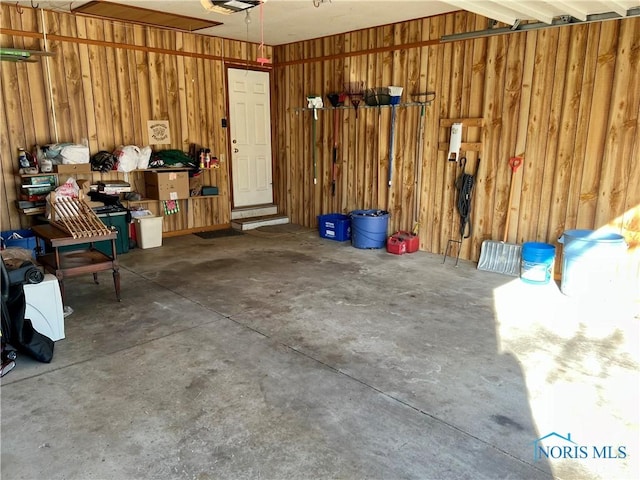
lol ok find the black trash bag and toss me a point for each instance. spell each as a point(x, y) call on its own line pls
point(18, 331)
point(22, 336)
point(34, 344)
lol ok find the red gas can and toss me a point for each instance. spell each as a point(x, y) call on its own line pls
point(412, 240)
point(396, 245)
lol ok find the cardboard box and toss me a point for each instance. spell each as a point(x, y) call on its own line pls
point(166, 185)
point(84, 185)
point(73, 168)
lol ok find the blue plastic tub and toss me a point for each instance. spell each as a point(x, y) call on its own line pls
point(369, 228)
point(20, 239)
point(591, 262)
point(536, 264)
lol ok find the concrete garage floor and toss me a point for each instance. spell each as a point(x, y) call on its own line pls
point(281, 355)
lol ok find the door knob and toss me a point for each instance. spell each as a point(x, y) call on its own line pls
point(235, 150)
point(233, 141)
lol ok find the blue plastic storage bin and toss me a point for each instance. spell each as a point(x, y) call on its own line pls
point(335, 226)
point(19, 239)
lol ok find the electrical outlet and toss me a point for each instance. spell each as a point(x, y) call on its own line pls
point(222, 157)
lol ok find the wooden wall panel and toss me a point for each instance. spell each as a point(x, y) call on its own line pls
point(559, 98)
point(104, 83)
point(564, 99)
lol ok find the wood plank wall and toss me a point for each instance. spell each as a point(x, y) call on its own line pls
point(565, 99)
point(107, 79)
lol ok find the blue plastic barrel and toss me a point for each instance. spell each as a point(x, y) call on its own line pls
point(591, 262)
point(369, 228)
point(536, 265)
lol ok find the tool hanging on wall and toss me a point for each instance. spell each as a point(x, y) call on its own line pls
point(502, 257)
point(418, 172)
point(314, 102)
point(391, 144)
point(355, 90)
point(464, 187)
point(395, 93)
point(425, 99)
point(455, 142)
point(337, 100)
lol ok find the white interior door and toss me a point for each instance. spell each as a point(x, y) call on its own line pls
point(250, 128)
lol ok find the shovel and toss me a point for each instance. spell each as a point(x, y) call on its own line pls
point(503, 257)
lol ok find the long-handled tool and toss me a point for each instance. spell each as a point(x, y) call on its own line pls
point(315, 154)
point(514, 163)
point(395, 93)
point(391, 144)
point(355, 90)
point(314, 103)
point(418, 172)
point(502, 257)
point(335, 99)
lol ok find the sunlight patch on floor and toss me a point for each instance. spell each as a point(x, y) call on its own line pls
point(580, 358)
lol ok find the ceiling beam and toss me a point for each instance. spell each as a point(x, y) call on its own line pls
point(534, 10)
point(618, 7)
point(491, 10)
point(561, 21)
point(571, 8)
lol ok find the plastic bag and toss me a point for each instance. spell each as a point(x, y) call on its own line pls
point(145, 156)
point(63, 153)
point(69, 188)
point(74, 154)
point(127, 157)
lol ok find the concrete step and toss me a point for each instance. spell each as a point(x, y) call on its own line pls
point(261, 221)
point(254, 211)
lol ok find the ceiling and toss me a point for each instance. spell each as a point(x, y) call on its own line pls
point(287, 21)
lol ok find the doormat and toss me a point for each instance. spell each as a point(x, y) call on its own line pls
point(279, 230)
point(229, 232)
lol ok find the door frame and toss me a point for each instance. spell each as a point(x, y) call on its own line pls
point(240, 66)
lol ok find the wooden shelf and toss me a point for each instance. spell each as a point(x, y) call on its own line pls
point(24, 175)
point(465, 146)
point(149, 200)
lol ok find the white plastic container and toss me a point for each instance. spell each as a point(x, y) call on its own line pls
point(149, 231)
point(44, 307)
